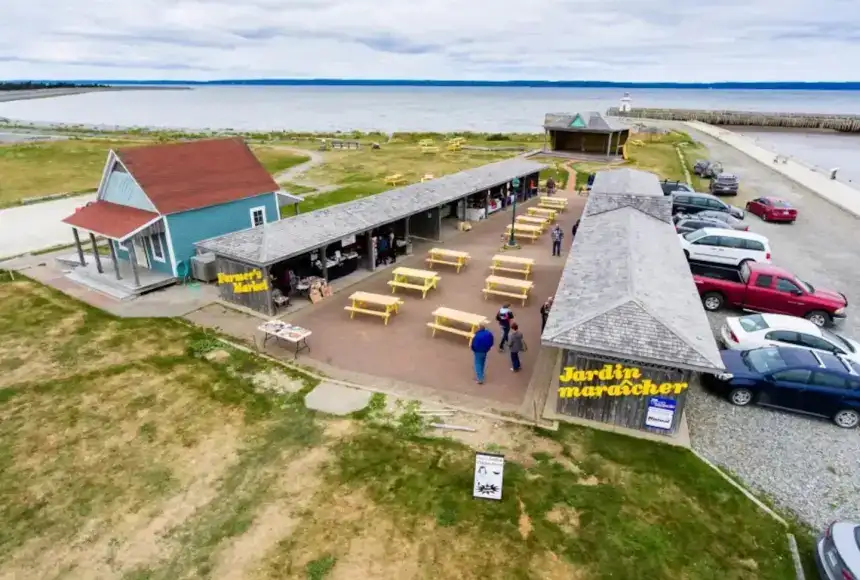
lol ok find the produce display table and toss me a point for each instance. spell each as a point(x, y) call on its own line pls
point(279, 330)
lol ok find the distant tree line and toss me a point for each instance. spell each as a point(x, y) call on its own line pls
point(32, 86)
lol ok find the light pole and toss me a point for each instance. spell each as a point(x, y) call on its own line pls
point(515, 184)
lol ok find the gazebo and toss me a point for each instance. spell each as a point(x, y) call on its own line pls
point(588, 132)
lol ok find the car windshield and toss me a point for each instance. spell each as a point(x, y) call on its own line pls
point(810, 289)
point(753, 323)
point(763, 360)
point(837, 340)
point(693, 236)
point(779, 203)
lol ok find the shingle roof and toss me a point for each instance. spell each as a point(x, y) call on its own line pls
point(627, 181)
point(195, 174)
point(110, 219)
point(294, 236)
point(627, 291)
point(594, 121)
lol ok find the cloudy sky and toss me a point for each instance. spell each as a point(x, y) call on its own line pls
point(622, 40)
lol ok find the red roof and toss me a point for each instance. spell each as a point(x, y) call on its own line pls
point(110, 219)
point(195, 174)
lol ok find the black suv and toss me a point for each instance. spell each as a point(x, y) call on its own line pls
point(693, 203)
point(725, 184)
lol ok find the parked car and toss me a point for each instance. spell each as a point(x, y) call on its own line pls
point(761, 330)
point(707, 169)
point(687, 224)
point(692, 203)
point(725, 246)
point(791, 378)
point(724, 184)
point(714, 219)
point(673, 186)
point(763, 288)
point(772, 209)
point(837, 551)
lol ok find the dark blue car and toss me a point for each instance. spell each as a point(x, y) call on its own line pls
point(815, 383)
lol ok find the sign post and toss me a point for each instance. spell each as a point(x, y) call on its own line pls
point(489, 473)
point(515, 184)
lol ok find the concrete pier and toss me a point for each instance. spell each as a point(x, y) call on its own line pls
point(841, 123)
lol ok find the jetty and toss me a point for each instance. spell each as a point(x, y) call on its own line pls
point(833, 122)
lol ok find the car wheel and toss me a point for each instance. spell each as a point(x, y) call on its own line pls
point(764, 217)
point(741, 397)
point(713, 301)
point(847, 418)
point(818, 318)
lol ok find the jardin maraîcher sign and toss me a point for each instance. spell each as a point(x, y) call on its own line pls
point(612, 381)
point(250, 281)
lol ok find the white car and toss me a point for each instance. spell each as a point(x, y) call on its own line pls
point(760, 330)
point(724, 246)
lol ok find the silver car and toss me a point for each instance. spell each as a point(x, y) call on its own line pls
point(837, 552)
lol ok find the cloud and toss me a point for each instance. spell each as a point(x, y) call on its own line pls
point(634, 40)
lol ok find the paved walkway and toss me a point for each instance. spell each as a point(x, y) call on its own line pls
point(28, 228)
point(836, 193)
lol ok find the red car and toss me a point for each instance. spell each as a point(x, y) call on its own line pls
point(772, 209)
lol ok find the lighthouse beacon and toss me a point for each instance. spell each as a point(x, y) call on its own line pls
point(625, 103)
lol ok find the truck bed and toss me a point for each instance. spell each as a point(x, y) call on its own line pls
point(713, 271)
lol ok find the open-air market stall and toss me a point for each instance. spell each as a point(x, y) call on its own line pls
point(287, 256)
point(627, 317)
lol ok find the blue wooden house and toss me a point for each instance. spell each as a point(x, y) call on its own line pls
point(154, 202)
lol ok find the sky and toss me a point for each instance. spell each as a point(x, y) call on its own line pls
point(615, 40)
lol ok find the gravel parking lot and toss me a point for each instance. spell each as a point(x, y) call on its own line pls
point(806, 465)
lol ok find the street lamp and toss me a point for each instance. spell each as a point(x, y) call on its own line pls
point(515, 184)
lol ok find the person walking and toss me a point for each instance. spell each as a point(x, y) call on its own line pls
point(544, 313)
point(482, 343)
point(550, 186)
point(518, 345)
point(504, 317)
point(557, 236)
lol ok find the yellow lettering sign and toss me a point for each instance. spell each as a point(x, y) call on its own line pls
point(614, 381)
point(250, 281)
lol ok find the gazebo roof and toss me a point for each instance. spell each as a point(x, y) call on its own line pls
point(583, 122)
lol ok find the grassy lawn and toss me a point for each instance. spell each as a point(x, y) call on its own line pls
point(277, 160)
point(145, 449)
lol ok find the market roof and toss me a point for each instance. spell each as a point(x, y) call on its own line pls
point(586, 121)
point(303, 233)
point(179, 177)
point(626, 181)
point(626, 290)
point(111, 220)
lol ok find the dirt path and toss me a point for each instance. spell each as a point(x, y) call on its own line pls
point(292, 174)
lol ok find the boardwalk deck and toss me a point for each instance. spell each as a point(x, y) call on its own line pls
point(834, 122)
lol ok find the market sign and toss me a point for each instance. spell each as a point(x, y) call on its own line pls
point(489, 473)
point(246, 282)
point(661, 413)
point(612, 381)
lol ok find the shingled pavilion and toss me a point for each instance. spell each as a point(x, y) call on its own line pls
point(588, 132)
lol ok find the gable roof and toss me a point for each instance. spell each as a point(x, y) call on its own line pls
point(626, 290)
point(111, 220)
point(592, 121)
point(179, 177)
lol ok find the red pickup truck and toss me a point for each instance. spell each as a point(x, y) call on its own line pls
point(766, 288)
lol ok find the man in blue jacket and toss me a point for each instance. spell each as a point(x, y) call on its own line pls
point(482, 343)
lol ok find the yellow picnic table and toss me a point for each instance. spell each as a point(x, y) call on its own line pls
point(515, 264)
point(549, 214)
point(525, 231)
point(450, 257)
point(407, 277)
point(509, 287)
point(425, 142)
point(442, 317)
point(361, 300)
point(395, 179)
point(530, 220)
point(556, 203)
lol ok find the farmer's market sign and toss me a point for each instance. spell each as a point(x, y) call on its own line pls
point(250, 281)
point(612, 381)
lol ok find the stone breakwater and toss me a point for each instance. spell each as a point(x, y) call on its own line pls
point(833, 122)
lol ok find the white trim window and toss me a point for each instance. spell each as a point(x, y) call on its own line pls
point(156, 245)
point(122, 246)
point(258, 216)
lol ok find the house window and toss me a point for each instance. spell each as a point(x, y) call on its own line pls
point(258, 216)
point(157, 247)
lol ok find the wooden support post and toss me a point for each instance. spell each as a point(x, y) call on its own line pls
point(296, 209)
point(96, 253)
point(487, 205)
point(545, 133)
point(132, 257)
point(114, 259)
point(270, 302)
point(324, 261)
point(78, 246)
point(371, 250)
point(406, 236)
point(439, 223)
point(609, 145)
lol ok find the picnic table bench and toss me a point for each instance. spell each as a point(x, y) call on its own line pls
point(361, 300)
point(525, 231)
point(514, 264)
point(508, 287)
point(287, 332)
point(442, 317)
point(424, 142)
point(395, 179)
point(429, 149)
point(406, 277)
point(530, 220)
point(450, 257)
point(549, 214)
point(554, 203)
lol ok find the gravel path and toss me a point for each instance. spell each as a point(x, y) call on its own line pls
point(292, 174)
point(806, 465)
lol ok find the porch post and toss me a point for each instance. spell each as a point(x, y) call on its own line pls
point(96, 254)
point(545, 133)
point(439, 223)
point(487, 204)
point(371, 248)
point(324, 261)
point(78, 246)
point(609, 145)
point(295, 209)
point(406, 234)
point(132, 257)
point(114, 260)
point(270, 303)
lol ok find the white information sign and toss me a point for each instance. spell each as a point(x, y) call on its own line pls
point(661, 413)
point(489, 473)
point(347, 241)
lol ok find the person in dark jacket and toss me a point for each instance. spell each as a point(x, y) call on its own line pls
point(482, 343)
point(517, 345)
point(557, 236)
point(544, 313)
point(504, 318)
point(575, 227)
point(550, 186)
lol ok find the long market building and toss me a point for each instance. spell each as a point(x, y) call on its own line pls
point(627, 317)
